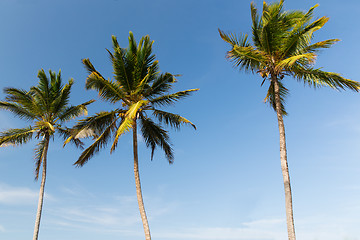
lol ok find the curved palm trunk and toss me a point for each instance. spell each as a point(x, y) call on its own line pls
point(284, 164)
point(138, 186)
point(42, 188)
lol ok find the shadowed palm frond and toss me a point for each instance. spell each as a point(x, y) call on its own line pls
point(155, 136)
point(161, 85)
point(66, 133)
point(270, 97)
point(39, 156)
point(99, 143)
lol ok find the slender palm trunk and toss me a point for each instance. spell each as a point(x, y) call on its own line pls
point(138, 186)
point(284, 164)
point(42, 188)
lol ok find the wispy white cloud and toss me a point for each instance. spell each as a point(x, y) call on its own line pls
point(260, 229)
point(2, 229)
point(17, 195)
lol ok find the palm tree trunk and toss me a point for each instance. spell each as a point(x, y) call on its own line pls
point(138, 186)
point(284, 164)
point(42, 188)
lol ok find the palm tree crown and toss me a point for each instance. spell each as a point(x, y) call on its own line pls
point(138, 89)
point(47, 106)
point(282, 47)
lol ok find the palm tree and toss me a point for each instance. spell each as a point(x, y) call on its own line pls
point(47, 107)
point(281, 46)
point(138, 89)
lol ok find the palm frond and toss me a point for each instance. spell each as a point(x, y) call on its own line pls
point(93, 126)
point(319, 78)
point(66, 133)
point(172, 98)
point(74, 111)
point(108, 90)
point(287, 63)
point(99, 143)
point(16, 136)
point(320, 45)
point(270, 97)
point(39, 156)
point(122, 66)
point(43, 85)
point(60, 96)
point(162, 84)
point(127, 121)
point(155, 136)
point(174, 120)
point(150, 75)
point(17, 110)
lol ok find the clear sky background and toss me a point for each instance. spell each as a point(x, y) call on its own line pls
point(226, 181)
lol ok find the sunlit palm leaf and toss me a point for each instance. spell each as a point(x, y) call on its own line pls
point(16, 136)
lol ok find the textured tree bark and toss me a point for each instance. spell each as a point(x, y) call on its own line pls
point(42, 188)
point(138, 186)
point(284, 164)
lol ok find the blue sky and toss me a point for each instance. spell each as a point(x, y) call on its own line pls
point(226, 181)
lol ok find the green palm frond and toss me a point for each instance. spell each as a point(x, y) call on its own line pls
point(287, 63)
point(66, 133)
point(150, 76)
point(123, 67)
point(43, 86)
point(17, 136)
point(144, 59)
point(155, 136)
point(172, 98)
point(108, 90)
point(319, 78)
point(233, 39)
point(60, 96)
point(99, 143)
point(174, 120)
point(241, 53)
point(74, 111)
point(320, 45)
point(93, 126)
point(39, 156)
point(162, 84)
point(18, 110)
point(270, 97)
